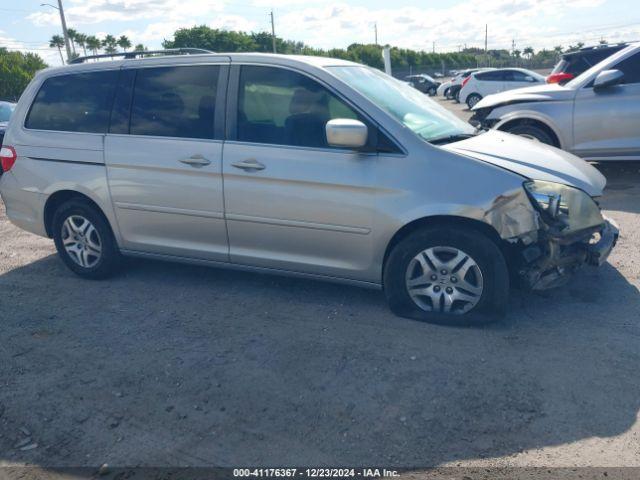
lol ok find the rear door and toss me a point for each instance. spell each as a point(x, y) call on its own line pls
point(607, 120)
point(489, 82)
point(517, 79)
point(292, 202)
point(164, 160)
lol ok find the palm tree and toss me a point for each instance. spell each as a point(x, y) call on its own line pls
point(528, 52)
point(81, 39)
point(140, 48)
point(124, 42)
point(109, 43)
point(72, 34)
point(57, 42)
point(93, 43)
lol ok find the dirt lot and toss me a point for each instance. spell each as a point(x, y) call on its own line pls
point(181, 365)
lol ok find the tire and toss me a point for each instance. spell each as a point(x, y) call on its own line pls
point(456, 245)
point(446, 93)
point(532, 132)
point(473, 99)
point(457, 97)
point(87, 249)
point(432, 92)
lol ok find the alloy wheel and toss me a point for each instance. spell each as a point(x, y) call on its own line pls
point(444, 280)
point(81, 241)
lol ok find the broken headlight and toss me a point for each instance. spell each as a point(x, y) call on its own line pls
point(561, 204)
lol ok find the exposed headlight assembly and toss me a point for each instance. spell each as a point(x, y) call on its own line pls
point(567, 206)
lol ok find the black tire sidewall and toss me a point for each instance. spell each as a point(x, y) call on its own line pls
point(110, 258)
point(485, 253)
point(532, 130)
point(473, 95)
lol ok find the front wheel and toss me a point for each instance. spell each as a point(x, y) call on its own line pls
point(84, 240)
point(451, 275)
point(432, 91)
point(532, 132)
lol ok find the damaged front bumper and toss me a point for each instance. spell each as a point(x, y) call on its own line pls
point(550, 262)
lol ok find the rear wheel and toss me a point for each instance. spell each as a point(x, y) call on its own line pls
point(448, 275)
point(84, 240)
point(432, 91)
point(532, 132)
point(446, 93)
point(472, 100)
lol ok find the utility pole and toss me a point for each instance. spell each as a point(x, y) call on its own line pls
point(375, 31)
point(273, 32)
point(513, 51)
point(433, 48)
point(65, 34)
point(486, 53)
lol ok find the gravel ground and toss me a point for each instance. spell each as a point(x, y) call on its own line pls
point(173, 365)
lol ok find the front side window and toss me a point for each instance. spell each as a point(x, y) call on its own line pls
point(412, 108)
point(79, 102)
point(279, 106)
point(175, 101)
point(631, 69)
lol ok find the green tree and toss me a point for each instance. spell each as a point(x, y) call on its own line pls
point(140, 48)
point(16, 71)
point(528, 52)
point(109, 44)
point(81, 39)
point(93, 43)
point(124, 42)
point(57, 42)
point(72, 34)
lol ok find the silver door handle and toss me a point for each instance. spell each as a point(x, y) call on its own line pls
point(250, 164)
point(196, 161)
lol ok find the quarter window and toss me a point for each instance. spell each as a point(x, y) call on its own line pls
point(175, 101)
point(279, 106)
point(79, 102)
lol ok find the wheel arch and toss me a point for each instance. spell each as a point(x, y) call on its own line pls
point(58, 198)
point(508, 124)
point(444, 220)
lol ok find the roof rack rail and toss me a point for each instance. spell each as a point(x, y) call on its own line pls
point(141, 53)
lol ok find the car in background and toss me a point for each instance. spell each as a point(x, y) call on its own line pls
point(456, 83)
point(480, 84)
point(573, 63)
point(424, 83)
point(6, 109)
point(595, 116)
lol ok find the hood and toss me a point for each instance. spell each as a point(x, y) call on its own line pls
point(539, 93)
point(533, 160)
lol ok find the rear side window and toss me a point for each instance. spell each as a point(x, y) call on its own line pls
point(490, 76)
point(175, 101)
point(79, 102)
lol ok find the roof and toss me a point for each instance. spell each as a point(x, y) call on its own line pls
point(269, 58)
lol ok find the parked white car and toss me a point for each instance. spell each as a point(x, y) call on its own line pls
point(480, 84)
point(451, 88)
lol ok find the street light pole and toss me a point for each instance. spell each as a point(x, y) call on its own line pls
point(64, 31)
point(273, 32)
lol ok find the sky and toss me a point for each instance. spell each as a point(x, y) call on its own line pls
point(444, 25)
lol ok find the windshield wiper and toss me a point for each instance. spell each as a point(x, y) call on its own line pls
point(451, 138)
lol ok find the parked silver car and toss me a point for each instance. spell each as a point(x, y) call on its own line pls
point(595, 116)
point(299, 165)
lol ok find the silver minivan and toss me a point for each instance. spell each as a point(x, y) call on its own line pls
point(305, 166)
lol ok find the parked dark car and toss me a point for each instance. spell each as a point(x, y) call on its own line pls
point(424, 83)
point(572, 64)
point(6, 109)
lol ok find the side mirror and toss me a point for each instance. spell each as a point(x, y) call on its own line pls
point(607, 78)
point(346, 133)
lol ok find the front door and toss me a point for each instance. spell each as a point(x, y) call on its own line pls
point(164, 161)
point(293, 202)
point(607, 120)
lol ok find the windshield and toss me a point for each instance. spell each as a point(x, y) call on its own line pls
point(412, 108)
point(6, 109)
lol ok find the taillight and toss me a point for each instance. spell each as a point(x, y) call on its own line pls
point(559, 77)
point(465, 81)
point(8, 157)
